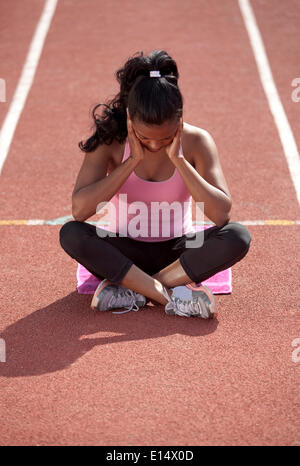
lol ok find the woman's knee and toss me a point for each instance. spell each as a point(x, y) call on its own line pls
point(239, 237)
point(69, 236)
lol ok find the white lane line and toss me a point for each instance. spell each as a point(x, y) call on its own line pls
point(25, 81)
point(285, 133)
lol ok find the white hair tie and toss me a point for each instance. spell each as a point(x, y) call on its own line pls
point(155, 74)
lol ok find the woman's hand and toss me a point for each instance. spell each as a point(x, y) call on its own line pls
point(173, 149)
point(136, 148)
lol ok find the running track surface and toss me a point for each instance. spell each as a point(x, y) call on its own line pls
point(73, 377)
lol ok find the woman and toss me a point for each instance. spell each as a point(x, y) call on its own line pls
point(143, 154)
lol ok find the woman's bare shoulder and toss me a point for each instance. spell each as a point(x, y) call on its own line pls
point(192, 139)
point(116, 152)
point(108, 155)
point(192, 132)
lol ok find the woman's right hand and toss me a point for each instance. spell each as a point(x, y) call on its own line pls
point(136, 148)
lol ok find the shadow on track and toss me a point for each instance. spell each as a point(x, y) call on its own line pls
point(50, 339)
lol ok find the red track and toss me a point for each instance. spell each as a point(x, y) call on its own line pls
point(73, 377)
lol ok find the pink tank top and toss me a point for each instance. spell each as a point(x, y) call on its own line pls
point(151, 210)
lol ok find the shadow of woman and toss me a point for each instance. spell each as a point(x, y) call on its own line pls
point(50, 339)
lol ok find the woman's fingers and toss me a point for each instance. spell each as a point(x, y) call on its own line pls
point(180, 127)
point(173, 149)
point(129, 125)
point(136, 149)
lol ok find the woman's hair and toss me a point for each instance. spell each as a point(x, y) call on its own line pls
point(150, 100)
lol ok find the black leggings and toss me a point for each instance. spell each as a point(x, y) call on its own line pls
point(111, 257)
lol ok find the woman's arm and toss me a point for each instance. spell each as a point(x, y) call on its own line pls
point(206, 182)
point(93, 185)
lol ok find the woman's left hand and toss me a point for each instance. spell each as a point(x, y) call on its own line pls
point(173, 149)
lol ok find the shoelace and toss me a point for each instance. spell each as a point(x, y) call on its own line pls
point(188, 308)
point(117, 300)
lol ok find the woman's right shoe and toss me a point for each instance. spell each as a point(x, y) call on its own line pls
point(110, 296)
point(188, 302)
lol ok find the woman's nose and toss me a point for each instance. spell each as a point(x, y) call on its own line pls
point(154, 146)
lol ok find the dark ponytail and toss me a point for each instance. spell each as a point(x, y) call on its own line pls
point(150, 100)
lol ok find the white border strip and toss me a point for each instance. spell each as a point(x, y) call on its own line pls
point(285, 133)
point(26, 79)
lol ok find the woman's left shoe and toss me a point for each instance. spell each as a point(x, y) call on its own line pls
point(109, 296)
point(187, 302)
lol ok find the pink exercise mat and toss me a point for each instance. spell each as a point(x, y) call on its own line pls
point(220, 283)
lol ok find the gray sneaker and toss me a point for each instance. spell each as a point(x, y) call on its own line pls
point(112, 296)
point(187, 302)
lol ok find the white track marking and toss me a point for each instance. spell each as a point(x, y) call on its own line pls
point(26, 79)
point(285, 133)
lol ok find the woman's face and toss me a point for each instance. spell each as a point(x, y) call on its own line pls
point(155, 137)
